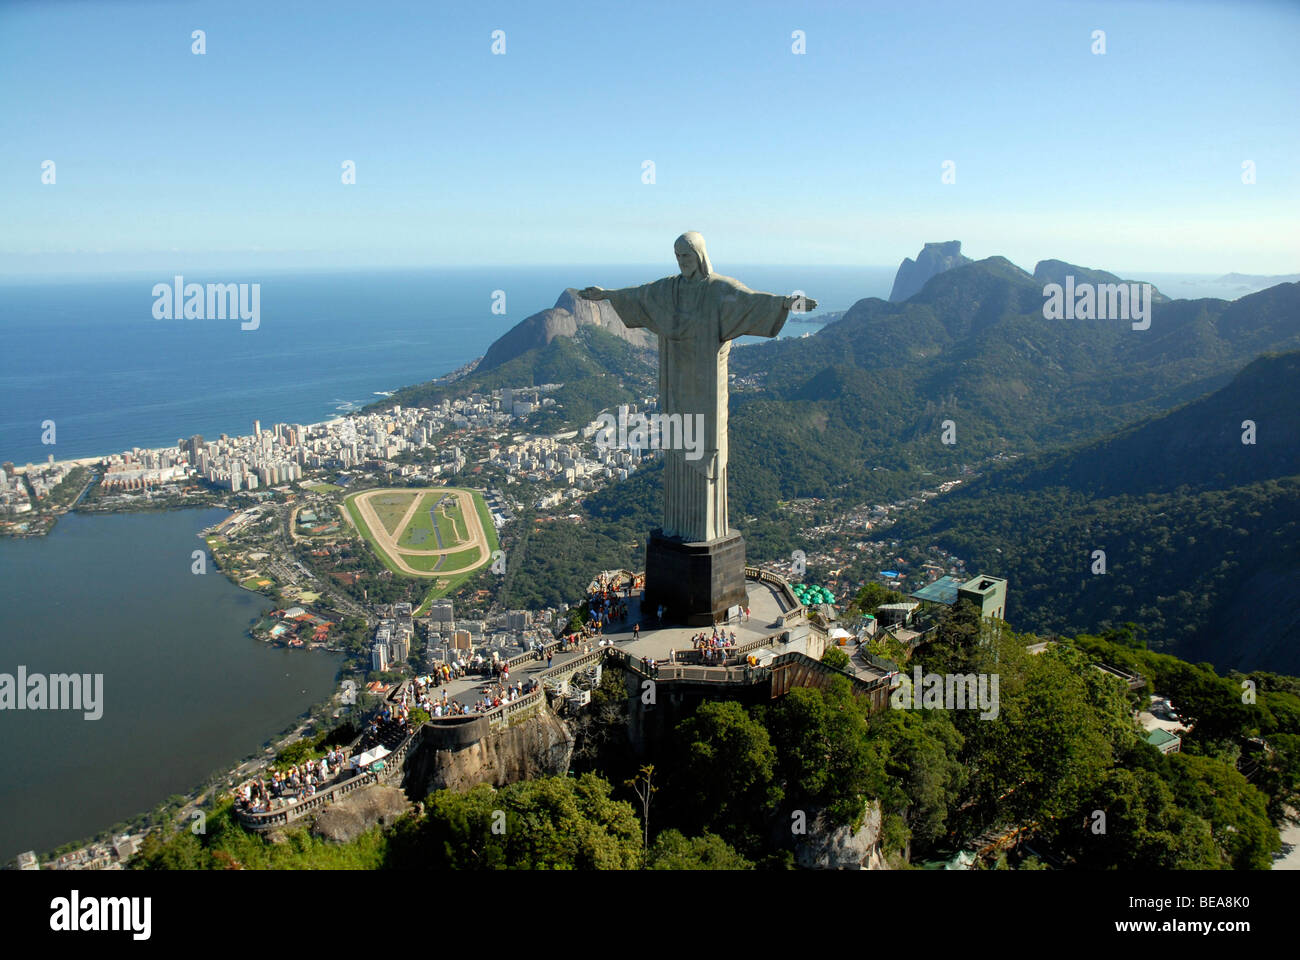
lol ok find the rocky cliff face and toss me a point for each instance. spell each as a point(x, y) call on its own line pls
point(562, 320)
point(346, 819)
point(933, 260)
point(830, 847)
point(537, 747)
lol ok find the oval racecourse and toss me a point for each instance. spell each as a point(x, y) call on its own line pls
point(425, 532)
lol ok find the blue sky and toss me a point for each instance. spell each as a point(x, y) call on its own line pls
point(1128, 160)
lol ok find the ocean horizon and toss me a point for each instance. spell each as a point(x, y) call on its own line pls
point(90, 355)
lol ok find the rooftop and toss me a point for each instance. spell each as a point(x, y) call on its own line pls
point(982, 584)
point(943, 590)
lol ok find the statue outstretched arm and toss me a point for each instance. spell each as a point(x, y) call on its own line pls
point(747, 312)
point(635, 306)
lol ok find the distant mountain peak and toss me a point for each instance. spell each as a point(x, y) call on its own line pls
point(1055, 271)
point(933, 260)
point(1253, 283)
point(562, 320)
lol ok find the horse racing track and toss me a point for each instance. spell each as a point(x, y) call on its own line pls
point(425, 532)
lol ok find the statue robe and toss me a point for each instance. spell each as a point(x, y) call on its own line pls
point(696, 319)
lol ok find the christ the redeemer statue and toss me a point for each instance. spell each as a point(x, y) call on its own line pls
point(696, 315)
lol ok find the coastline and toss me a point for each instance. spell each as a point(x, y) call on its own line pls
point(274, 742)
point(220, 621)
point(93, 461)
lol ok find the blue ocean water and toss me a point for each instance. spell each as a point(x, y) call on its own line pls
point(89, 355)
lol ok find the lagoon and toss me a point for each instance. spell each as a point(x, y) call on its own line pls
point(186, 690)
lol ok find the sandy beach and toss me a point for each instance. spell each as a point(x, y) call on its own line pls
point(82, 462)
point(93, 461)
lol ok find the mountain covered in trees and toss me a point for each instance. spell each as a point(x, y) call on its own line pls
point(594, 370)
point(859, 407)
point(1058, 271)
point(858, 413)
point(859, 410)
point(564, 319)
point(1196, 513)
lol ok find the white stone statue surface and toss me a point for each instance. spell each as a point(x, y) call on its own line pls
point(696, 315)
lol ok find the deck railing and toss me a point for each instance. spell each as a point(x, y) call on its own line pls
point(300, 808)
point(783, 586)
point(501, 716)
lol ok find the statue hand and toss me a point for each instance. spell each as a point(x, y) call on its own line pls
point(593, 293)
point(801, 304)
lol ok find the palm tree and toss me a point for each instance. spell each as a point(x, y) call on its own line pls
point(644, 789)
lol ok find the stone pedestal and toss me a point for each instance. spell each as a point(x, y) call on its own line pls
point(696, 582)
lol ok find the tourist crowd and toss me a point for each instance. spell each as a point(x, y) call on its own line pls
point(387, 726)
point(447, 672)
point(713, 648)
point(605, 604)
point(296, 782)
point(576, 642)
point(422, 693)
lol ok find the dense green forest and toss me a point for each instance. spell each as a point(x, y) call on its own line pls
point(1200, 531)
point(873, 389)
point(597, 369)
point(1211, 575)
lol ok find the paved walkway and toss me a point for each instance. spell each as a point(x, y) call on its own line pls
point(656, 640)
point(1289, 858)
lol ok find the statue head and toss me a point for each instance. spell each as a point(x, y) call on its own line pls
point(691, 256)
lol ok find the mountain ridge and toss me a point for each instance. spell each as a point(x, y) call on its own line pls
point(933, 259)
point(1189, 523)
point(564, 319)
